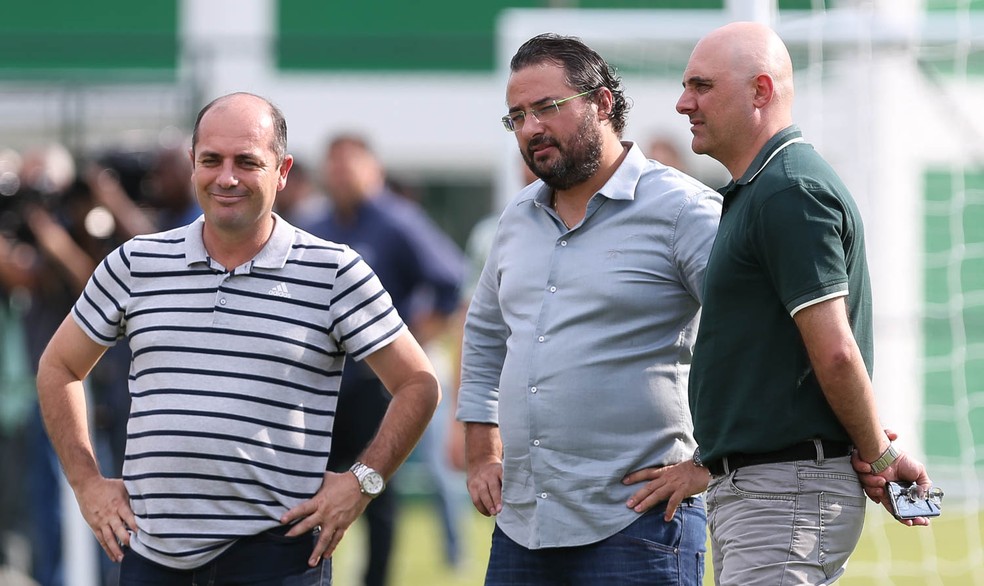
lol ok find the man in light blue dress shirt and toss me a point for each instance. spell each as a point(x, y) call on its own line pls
point(578, 343)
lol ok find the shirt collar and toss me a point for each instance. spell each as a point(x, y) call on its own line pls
point(781, 140)
point(273, 255)
point(621, 185)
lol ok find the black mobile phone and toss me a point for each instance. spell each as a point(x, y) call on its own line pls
point(908, 501)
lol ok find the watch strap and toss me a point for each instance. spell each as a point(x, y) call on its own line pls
point(362, 474)
point(886, 459)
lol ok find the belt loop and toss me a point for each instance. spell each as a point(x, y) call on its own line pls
point(820, 455)
point(724, 462)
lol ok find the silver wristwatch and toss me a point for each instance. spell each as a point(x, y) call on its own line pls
point(370, 481)
point(885, 460)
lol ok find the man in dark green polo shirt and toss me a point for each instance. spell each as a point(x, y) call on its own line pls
point(780, 386)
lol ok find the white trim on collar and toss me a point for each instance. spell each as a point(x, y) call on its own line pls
point(774, 153)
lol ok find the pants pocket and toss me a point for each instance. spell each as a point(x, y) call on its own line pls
point(841, 521)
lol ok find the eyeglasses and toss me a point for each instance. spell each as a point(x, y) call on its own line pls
point(514, 120)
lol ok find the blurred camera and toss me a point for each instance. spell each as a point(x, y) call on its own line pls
point(909, 501)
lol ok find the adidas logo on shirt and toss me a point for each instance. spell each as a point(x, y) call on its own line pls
point(280, 291)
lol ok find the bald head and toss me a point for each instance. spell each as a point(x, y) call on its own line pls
point(750, 49)
point(737, 92)
point(269, 116)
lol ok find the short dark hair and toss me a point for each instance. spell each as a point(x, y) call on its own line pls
point(279, 145)
point(352, 139)
point(585, 69)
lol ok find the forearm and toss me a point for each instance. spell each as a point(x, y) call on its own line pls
point(841, 372)
point(63, 408)
point(65, 363)
point(483, 444)
point(849, 393)
point(406, 418)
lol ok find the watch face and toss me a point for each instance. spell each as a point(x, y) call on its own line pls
point(373, 483)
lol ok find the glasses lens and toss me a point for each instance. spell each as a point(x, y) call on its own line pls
point(547, 112)
point(514, 121)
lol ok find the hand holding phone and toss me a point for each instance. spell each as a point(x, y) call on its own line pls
point(909, 501)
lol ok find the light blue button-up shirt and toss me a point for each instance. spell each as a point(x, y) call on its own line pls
point(578, 345)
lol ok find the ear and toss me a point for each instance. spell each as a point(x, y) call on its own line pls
point(765, 89)
point(605, 101)
point(284, 169)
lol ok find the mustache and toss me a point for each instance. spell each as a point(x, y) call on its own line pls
point(541, 140)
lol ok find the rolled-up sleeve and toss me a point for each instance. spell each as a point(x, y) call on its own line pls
point(483, 349)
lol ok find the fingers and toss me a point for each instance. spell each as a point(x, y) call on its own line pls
point(485, 489)
point(644, 498)
point(109, 542)
point(105, 505)
point(877, 495)
point(859, 465)
point(328, 540)
point(486, 498)
point(643, 475)
point(671, 506)
point(304, 512)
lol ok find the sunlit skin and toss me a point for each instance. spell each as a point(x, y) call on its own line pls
point(565, 150)
point(570, 150)
point(237, 176)
point(737, 93)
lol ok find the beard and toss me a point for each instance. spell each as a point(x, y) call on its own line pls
point(578, 161)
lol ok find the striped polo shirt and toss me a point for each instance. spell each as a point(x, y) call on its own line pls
point(234, 377)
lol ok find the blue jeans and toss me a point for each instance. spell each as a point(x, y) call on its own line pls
point(266, 559)
point(650, 551)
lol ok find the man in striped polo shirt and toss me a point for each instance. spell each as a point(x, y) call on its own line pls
point(239, 326)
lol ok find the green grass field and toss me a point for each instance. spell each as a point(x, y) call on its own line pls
point(949, 553)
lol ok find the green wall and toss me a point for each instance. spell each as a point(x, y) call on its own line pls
point(58, 35)
point(48, 37)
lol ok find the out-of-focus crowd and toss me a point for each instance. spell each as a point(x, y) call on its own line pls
point(60, 214)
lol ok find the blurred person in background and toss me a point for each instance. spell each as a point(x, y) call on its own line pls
point(578, 339)
point(170, 193)
point(282, 310)
point(53, 231)
point(300, 202)
point(16, 376)
point(422, 269)
point(662, 148)
point(780, 387)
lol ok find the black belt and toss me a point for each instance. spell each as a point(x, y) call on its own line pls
point(802, 451)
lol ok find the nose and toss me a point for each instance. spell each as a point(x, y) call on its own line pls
point(531, 126)
point(686, 104)
point(227, 176)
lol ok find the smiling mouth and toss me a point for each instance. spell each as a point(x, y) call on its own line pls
point(227, 196)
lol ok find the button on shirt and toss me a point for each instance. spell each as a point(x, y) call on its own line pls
point(578, 345)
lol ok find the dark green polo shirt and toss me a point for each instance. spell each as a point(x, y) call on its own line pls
point(790, 235)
